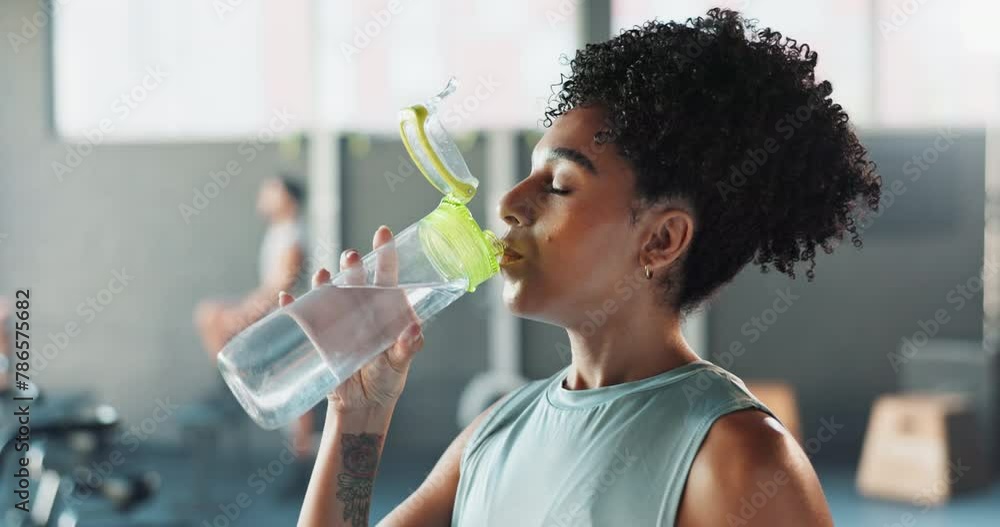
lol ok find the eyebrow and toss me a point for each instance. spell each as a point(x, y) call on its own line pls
point(572, 155)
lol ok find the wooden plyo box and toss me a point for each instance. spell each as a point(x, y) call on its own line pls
point(921, 448)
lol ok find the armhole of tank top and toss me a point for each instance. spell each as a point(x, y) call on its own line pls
point(697, 439)
point(487, 421)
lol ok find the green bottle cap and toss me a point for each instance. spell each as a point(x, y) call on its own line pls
point(456, 245)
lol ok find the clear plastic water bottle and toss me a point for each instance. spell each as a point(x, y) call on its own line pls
point(287, 362)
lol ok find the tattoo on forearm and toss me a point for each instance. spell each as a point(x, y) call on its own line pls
point(360, 459)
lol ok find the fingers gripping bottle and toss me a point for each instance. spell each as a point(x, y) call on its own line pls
point(287, 362)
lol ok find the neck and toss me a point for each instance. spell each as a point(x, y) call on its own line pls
point(628, 346)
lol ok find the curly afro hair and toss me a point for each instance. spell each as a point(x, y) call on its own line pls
point(732, 120)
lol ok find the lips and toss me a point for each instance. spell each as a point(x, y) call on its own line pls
point(510, 256)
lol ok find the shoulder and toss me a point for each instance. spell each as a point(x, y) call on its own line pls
point(750, 471)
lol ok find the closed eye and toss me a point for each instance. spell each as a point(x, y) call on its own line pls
point(558, 191)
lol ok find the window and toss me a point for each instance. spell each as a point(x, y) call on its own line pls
point(938, 63)
point(910, 63)
point(375, 57)
point(179, 69)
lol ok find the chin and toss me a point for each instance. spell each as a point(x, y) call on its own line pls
point(516, 296)
point(524, 301)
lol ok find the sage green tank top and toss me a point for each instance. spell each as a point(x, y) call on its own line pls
point(616, 455)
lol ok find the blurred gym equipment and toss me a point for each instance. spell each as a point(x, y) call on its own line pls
point(963, 367)
point(73, 478)
point(922, 449)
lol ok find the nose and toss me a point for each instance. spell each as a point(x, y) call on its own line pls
point(516, 207)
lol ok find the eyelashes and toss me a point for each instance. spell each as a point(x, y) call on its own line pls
point(557, 191)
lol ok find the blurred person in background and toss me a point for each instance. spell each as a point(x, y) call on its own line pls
point(282, 254)
point(280, 262)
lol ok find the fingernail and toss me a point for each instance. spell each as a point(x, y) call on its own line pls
point(280, 294)
point(413, 331)
point(351, 253)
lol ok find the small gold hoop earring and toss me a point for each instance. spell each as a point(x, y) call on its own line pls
point(649, 273)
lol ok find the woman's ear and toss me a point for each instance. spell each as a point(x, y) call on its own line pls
point(669, 237)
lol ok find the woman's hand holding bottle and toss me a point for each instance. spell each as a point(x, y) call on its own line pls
point(379, 383)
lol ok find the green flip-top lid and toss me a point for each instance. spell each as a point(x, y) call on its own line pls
point(433, 150)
